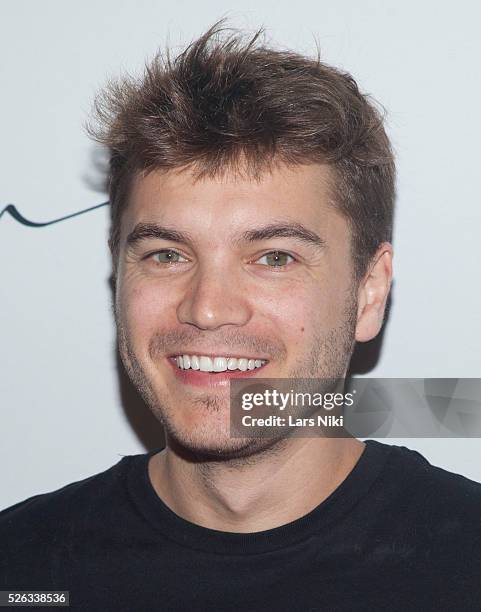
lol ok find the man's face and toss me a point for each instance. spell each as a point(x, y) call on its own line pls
point(256, 271)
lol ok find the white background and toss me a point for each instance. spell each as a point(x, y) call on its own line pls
point(65, 412)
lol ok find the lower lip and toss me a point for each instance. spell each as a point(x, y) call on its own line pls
point(196, 378)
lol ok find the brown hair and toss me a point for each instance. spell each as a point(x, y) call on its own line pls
point(223, 100)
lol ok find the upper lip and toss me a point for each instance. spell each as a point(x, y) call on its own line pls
point(213, 355)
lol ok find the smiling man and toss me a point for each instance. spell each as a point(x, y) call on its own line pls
point(227, 277)
point(252, 197)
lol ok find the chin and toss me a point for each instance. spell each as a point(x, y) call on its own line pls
point(200, 428)
point(209, 444)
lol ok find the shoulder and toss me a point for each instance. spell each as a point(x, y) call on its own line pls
point(437, 506)
point(451, 502)
point(455, 491)
point(33, 529)
point(44, 508)
point(423, 523)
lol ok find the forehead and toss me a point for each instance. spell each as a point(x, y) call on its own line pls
point(229, 202)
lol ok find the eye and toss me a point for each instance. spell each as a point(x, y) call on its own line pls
point(276, 259)
point(167, 256)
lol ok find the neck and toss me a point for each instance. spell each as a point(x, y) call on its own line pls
point(272, 488)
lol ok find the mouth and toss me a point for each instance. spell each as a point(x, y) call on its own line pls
point(214, 370)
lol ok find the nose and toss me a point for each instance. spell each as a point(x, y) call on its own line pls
point(212, 299)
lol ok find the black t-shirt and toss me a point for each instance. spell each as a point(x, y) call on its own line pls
point(397, 534)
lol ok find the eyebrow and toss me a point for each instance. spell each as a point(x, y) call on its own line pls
point(284, 230)
point(146, 231)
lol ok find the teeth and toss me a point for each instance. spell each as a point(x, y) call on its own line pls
point(220, 364)
point(205, 364)
point(217, 364)
point(242, 364)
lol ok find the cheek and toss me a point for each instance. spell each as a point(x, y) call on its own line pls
point(294, 313)
point(301, 312)
point(144, 309)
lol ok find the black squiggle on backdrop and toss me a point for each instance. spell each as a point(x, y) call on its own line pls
point(11, 210)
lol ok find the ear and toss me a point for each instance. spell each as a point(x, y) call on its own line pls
point(373, 293)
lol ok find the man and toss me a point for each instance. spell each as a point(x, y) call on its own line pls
point(252, 199)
